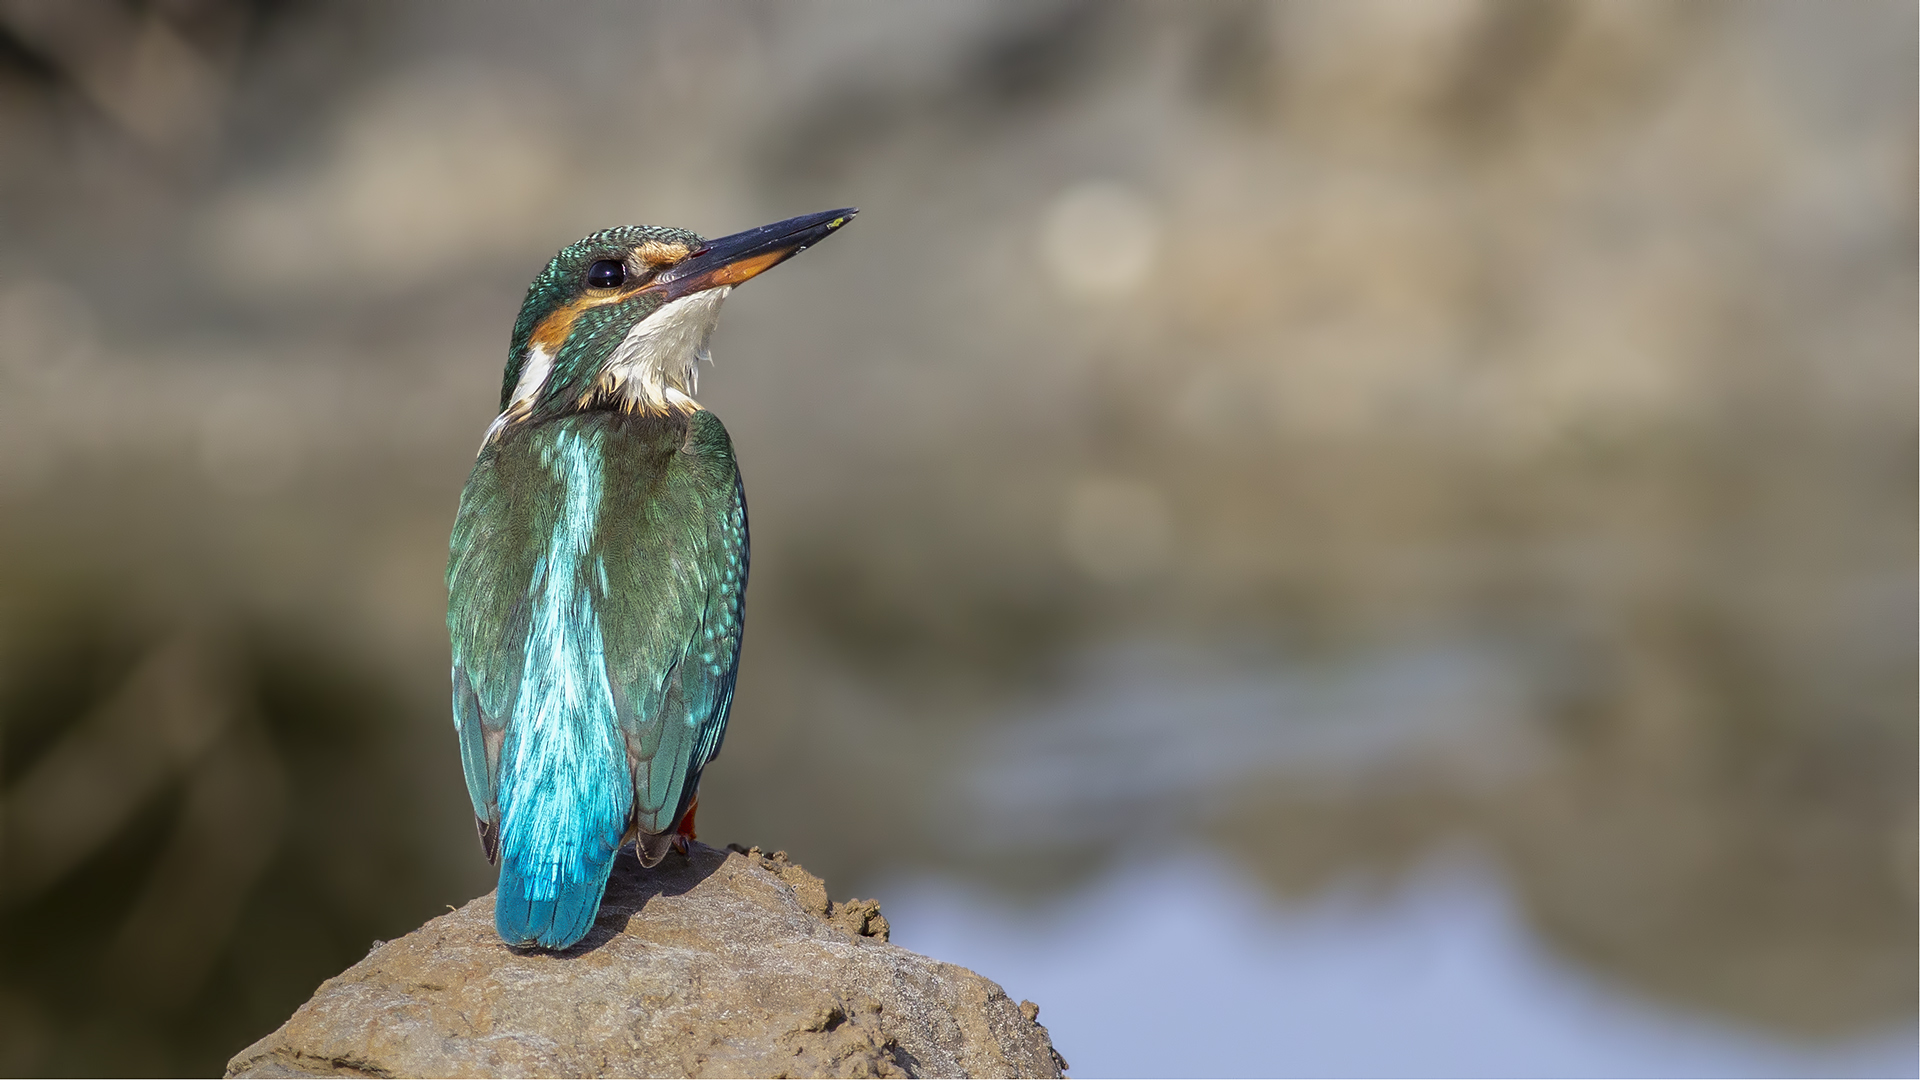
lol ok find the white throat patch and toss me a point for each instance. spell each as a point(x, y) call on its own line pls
point(657, 363)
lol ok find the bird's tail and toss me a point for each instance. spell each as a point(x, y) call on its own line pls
point(552, 902)
point(559, 830)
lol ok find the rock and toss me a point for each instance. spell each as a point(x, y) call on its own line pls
point(722, 963)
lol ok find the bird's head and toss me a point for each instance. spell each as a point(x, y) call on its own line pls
point(622, 317)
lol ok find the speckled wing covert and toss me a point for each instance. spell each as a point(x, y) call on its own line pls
point(595, 583)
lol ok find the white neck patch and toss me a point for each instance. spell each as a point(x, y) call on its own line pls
point(533, 376)
point(657, 362)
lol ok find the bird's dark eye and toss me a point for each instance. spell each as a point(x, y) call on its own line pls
point(607, 274)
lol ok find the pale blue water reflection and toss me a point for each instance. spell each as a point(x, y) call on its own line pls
point(1153, 734)
point(1186, 967)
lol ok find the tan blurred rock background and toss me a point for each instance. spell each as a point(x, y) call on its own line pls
point(1535, 380)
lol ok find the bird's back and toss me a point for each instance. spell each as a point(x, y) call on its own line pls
point(595, 582)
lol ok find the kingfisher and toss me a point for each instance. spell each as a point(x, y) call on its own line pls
point(597, 572)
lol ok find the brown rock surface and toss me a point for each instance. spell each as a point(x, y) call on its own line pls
point(724, 963)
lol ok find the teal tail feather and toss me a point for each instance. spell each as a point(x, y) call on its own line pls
point(566, 907)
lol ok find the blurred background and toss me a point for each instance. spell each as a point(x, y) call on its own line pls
point(1329, 537)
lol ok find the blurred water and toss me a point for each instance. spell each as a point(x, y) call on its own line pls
point(1183, 966)
point(1142, 735)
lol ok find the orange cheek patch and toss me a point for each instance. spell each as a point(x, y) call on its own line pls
point(553, 330)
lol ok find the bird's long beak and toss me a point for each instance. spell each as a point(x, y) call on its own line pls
point(731, 260)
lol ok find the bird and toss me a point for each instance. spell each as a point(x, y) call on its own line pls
point(597, 569)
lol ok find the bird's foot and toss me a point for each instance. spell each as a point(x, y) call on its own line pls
point(683, 836)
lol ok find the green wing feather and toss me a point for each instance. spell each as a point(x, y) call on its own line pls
point(506, 517)
point(676, 568)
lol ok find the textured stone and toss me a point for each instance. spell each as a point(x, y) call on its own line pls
point(723, 963)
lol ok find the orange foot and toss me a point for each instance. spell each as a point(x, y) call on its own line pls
point(685, 832)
